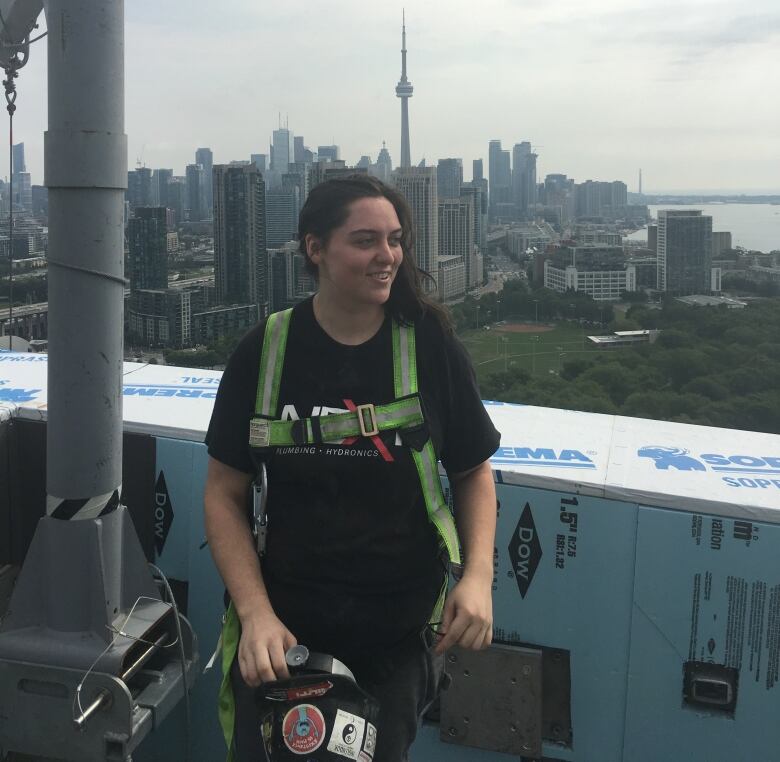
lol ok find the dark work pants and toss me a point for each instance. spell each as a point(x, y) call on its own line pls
point(404, 693)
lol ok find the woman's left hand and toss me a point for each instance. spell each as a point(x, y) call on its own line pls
point(467, 619)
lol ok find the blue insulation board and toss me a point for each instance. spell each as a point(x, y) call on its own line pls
point(183, 556)
point(707, 589)
point(564, 577)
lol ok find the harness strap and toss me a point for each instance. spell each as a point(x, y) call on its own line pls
point(231, 634)
point(269, 378)
point(366, 420)
point(439, 514)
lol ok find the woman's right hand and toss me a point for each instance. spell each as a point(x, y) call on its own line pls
point(264, 642)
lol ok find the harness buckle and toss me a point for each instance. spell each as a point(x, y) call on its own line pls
point(367, 412)
point(259, 433)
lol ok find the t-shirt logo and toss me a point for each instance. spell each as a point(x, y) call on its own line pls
point(304, 729)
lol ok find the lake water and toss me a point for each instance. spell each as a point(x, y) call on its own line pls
point(753, 226)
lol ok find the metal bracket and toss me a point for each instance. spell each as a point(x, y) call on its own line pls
point(494, 701)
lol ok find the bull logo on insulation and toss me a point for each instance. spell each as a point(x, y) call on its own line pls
point(525, 551)
point(671, 457)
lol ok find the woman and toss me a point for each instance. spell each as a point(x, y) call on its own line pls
point(353, 566)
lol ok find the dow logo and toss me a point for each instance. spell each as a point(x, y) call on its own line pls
point(525, 551)
point(163, 513)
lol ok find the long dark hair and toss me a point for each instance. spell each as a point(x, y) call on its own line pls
point(327, 208)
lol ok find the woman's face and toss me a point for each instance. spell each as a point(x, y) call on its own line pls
point(360, 261)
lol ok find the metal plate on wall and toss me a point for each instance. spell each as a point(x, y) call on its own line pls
point(495, 700)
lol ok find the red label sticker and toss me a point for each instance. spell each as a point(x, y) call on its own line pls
point(309, 691)
point(304, 729)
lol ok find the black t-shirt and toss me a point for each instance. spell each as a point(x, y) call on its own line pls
point(352, 562)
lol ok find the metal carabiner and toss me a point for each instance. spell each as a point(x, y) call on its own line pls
point(259, 515)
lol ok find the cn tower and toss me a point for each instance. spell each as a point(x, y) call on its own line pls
point(404, 91)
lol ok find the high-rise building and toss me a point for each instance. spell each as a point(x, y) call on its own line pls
point(559, 200)
point(328, 153)
point(177, 197)
point(160, 181)
point(282, 150)
point(418, 185)
point(195, 193)
point(404, 90)
point(456, 239)
point(383, 168)
point(281, 217)
point(721, 243)
point(475, 194)
point(17, 154)
point(139, 187)
point(299, 149)
point(240, 261)
point(205, 158)
point(147, 234)
point(259, 160)
point(449, 178)
point(684, 259)
point(477, 172)
point(523, 179)
point(500, 177)
point(289, 280)
point(601, 199)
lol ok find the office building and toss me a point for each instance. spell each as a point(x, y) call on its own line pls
point(449, 178)
point(139, 187)
point(177, 198)
point(282, 150)
point(281, 217)
point(147, 234)
point(721, 243)
point(299, 149)
point(259, 160)
point(21, 179)
point(524, 180)
point(602, 272)
point(217, 323)
point(383, 169)
point(195, 193)
point(240, 261)
point(418, 185)
point(559, 200)
point(451, 277)
point(477, 197)
point(205, 158)
point(456, 238)
point(163, 317)
point(684, 252)
point(160, 182)
point(17, 155)
point(500, 179)
point(605, 200)
point(477, 172)
point(328, 153)
point(290, 281)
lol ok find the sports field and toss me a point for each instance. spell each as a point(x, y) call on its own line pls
point(538, 348)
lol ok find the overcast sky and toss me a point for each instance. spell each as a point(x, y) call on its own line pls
point(686, 91)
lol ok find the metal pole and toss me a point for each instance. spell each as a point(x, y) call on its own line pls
point(86, 173)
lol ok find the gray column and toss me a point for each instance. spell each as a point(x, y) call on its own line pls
point(86, 173)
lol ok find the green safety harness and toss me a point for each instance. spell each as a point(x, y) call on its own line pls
point(404, 415)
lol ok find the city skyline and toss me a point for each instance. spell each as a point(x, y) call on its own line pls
point(683, 93)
